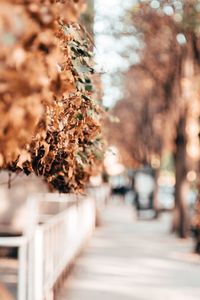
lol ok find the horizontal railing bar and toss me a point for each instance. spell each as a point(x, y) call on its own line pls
point(13, 241)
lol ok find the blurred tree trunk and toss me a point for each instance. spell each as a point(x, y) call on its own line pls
point(197, 215)
point(181, 214)
point(190, 63)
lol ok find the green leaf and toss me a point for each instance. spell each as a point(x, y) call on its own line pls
point(79, 117)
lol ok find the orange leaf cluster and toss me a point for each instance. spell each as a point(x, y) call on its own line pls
point(51, 120)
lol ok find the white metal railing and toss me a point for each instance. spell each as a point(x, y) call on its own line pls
point(57, 242)
point(51, 242)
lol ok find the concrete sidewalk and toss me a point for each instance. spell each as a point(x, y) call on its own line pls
point(134, 260)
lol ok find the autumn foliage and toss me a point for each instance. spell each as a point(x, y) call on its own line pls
point(50, 116)
point(162, 94)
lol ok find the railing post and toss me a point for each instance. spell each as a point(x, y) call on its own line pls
point(22, 272)
point(38, 265)
point(31, 266)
